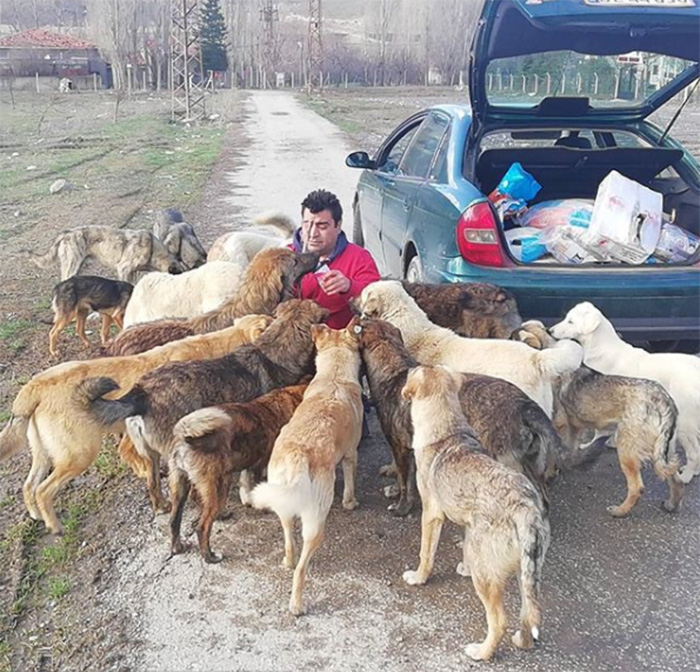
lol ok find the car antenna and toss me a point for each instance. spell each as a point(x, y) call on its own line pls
point(678, 111)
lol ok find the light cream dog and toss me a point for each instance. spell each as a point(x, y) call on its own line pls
point(324, 430)
point(531, 370)
point(679, 374)
point(51, 412)
point(160, 295)
point(269, 230)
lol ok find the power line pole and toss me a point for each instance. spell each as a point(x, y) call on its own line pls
point(269, 13)
point(315, 50)
point(186, 77)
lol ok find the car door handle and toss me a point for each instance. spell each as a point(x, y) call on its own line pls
point(406, 204)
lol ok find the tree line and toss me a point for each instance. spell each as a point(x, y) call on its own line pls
point(380, 42)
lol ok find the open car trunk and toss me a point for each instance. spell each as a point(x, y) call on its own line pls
point(566, 172)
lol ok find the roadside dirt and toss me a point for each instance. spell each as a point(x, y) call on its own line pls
point(618, 594)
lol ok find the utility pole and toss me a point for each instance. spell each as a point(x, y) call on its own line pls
point(269, 13)
point(315, 50)
point(186, 77)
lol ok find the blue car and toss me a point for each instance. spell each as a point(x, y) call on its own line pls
point(565, 88)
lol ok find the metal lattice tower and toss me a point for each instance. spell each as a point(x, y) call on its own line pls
point(186, 76)
point(315, 50)
point(269, 13)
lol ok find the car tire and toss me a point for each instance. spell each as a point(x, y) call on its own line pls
point(414, 270)
point(357, 236)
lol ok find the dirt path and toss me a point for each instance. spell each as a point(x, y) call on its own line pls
point(618, 594)
point(291, 152)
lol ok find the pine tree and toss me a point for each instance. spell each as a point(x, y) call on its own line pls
point(212, 37)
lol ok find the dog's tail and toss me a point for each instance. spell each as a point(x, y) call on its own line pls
point(276, 220)
point(108, 412)
point(287, 500)
point(199, 424)
point(533, 534)
point(564, 356)
point(13, 436)
point(664, 457)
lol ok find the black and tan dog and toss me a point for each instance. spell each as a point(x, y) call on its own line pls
point(279, 358)
point(505, 521)
point(511, 427)
point(77, 297)
point(213, 443)
point(474, 310)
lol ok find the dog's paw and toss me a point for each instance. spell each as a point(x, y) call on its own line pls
point(618, 511)
point(686, 474)
point(477, 651)
point(401, 508)
point(463, 570)
point(392, 490)
point(413, 578)
point(296, 609)
point(523, 642)
point(213, 557)
point(178, 546)
point(288, 562)
point(246, 499)
point(670, 506)
point(350, 504)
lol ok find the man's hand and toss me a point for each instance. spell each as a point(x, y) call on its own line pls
point(334, 282)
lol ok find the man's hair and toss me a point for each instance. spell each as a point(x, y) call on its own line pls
point(320, 200)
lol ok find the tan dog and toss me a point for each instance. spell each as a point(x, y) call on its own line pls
point(506, 526)
point(52, 410)
point(125, 251)
point(325, 429)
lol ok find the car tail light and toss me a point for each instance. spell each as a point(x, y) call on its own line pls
point(477, 236)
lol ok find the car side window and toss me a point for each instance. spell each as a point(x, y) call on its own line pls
point(419, 156)
point(392, 159)
point(438, 171)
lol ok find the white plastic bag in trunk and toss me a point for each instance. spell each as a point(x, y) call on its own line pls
point(626, 220)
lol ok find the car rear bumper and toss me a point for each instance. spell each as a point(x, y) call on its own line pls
point(643, 304)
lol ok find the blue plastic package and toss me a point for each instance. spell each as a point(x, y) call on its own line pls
point(515, 189)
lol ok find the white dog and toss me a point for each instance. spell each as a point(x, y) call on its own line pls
point(533, 371)
point(679, 374)
point(159, 295)
point(268, 230)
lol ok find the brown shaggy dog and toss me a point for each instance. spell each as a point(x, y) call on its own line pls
point(214, 442)
point(475, 310)
point(269, 279)
point(50, 410)
point(324, 430)
point(505, 521)
point(281, 357)
point(511, 427)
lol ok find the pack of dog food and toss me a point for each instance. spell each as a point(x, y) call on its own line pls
point(625, 223)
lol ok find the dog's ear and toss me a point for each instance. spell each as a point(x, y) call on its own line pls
point(318, 332)
point(587, 318)
point(413, 381)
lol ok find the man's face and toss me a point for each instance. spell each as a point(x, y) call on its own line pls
point(319, 232)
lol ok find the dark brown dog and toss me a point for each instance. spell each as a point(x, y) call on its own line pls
point(280, 357)
point(213, 443)
point(510, 426)
point(268, 280)
point(475, 310)
point(77, 297)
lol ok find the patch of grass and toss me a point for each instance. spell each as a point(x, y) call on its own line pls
point(14, 333)
point(5, 416)
point(5, 651)
point(57, 587)
point(8, 501)
point(108, 463)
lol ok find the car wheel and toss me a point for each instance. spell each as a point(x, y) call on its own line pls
point(414, 270)
point(357, 236)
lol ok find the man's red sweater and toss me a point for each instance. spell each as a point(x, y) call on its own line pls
point(355, 263)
